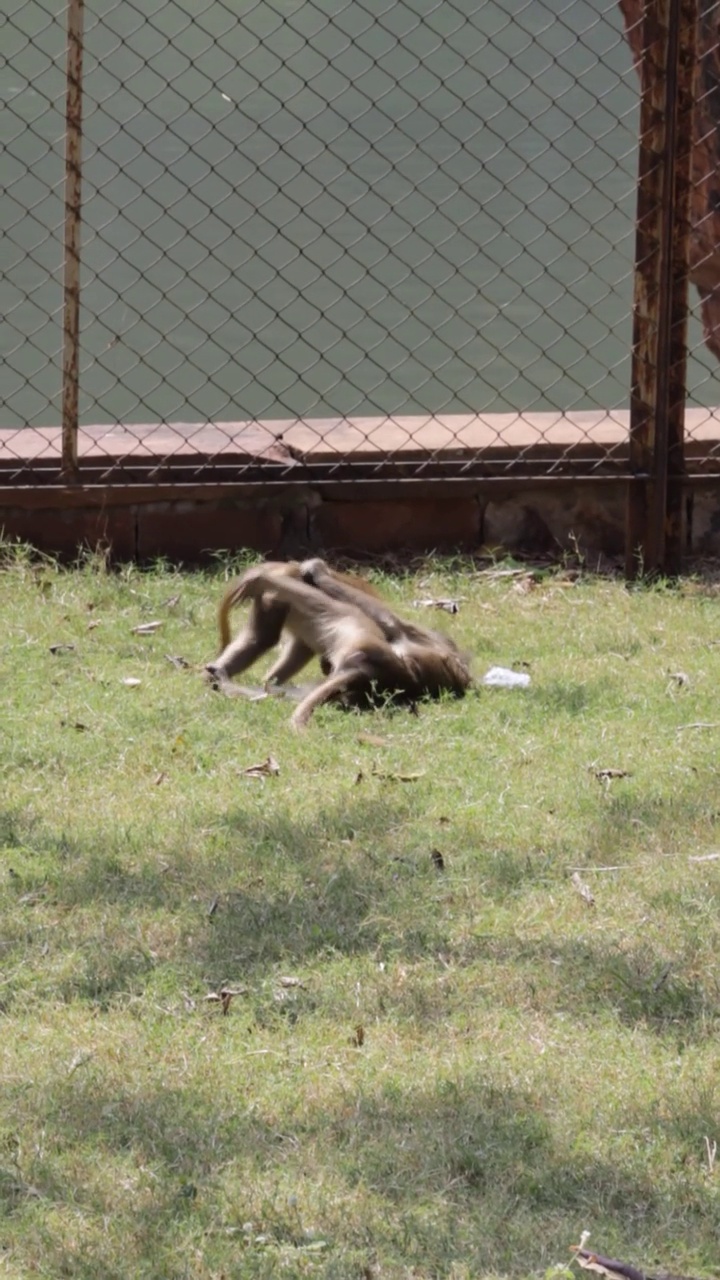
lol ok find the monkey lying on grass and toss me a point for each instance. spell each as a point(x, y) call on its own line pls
point(367, 654)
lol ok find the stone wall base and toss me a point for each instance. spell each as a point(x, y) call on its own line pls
point(192, 523)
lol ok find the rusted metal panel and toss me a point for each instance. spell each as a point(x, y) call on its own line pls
point(657, 402)
point(73, 222)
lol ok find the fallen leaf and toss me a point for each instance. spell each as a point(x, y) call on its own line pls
point(145, 628)
point(398, 777)
point(92, 625)
point(607, 775)
point(358, 1037)
point(438, 860)
point(35, 895)
point(253, 694)
point(606, 1266)
point(131, 682)
point(224, 996)
point(583, 889)
point(449, 606)
point(182, 664)
point(61, 648)
point(289, 981)
point(170, 602)
point(268, 769)
point(77, 724)
point(373, 740)
point(159, 777)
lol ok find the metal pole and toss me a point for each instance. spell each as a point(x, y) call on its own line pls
point(657, 399)
point(73, 215)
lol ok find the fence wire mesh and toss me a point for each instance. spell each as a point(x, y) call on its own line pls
point(354, 233)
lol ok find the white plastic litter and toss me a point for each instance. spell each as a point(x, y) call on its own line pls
point(504, 678)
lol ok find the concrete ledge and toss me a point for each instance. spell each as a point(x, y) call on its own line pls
point(144, 451)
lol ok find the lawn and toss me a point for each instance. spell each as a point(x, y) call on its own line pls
point(475, 953)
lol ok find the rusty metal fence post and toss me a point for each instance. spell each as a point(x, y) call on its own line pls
point(73, 222)
point(657, 399)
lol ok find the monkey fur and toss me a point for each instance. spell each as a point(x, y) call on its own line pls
point(367, 653)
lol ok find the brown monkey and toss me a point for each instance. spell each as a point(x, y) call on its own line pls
point(444, 667)
point(343, 587)
point(364, 664)
point(264, 630)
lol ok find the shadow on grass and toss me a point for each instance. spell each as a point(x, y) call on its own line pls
point(350, 881)
point(422, 1176)
point(634, 985)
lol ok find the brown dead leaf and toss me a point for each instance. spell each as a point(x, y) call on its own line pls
point(252, 693)
point(525, 585)
point(224, 996)
point(583, 889)
point(607, 775)
point(289, 981)
point(61, 648)
point(182, 664)
point(610, 1267)
point(447, 605)
point(268, 769)
point(92, 625)
point(373, 740)
point(145, 628)
point(159, 777)
point(398, 777)
point(358, 1037)
point(438, 860)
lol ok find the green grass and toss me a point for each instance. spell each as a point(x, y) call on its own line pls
point(530, 1065)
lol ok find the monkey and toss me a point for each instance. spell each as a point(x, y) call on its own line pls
point(264, 630)
point(362, 663)
point(448, 669)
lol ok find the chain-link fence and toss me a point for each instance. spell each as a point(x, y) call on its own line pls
point(360, 235)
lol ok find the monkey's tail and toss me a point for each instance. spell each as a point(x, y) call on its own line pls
point(225, 608)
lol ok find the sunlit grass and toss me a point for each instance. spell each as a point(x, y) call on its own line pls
point(428, 1071)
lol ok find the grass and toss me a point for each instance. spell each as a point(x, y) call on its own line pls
point(426, 1072)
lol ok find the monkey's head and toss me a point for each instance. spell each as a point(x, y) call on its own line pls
point(311, 570)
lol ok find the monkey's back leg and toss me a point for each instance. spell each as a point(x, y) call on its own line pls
point(260, 634)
